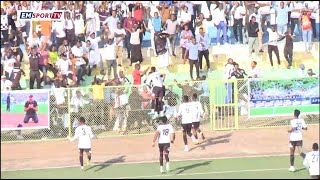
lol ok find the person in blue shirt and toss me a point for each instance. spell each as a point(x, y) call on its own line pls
point(203, 40)
point(193, 50)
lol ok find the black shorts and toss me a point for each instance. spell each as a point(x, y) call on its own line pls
point(85, 150)
point(296, 143)
point(164, 147)
point(196, 125)
point(158, 91)
point(186, 127)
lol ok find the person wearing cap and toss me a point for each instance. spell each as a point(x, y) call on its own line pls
point(31, 108)
point(5, 84)
point(63, 65)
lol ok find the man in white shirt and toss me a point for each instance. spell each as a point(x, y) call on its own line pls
point(185, 110)
point(238, 12)
point(186, 18)
point(78, 27)
point(59, 28)
point(84, 133)
point(119, 35)
point(295, 15)
point(94, 40)
point(110, 56)
point(165, 135)
point(197, 114)
point(220, 23)
point(5, 84)
point(273, 45)
point(63, 64)
point(296, 126)
point(158, 91)
point(111, 22)
point(254, 72)
point(311, 162)
point(172, 29)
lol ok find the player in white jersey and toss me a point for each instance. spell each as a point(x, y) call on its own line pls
point(158, 91)
point(165, 135)
point(185, 110)
point(84, 133)
point(297, 124)
point(197, 114)
point(311, 162)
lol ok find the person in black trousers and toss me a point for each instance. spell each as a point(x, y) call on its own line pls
point(288, 48)
point(203, 40)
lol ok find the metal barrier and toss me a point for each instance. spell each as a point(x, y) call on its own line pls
point(225, 109)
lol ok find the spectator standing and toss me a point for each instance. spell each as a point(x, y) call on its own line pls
point(34, 58)
point(253, 41)
point(306, 30)
point(111, 58)
point(228, 69)
point(282, 17)
point(185, 38)
point(59, 28)
point(258, 20)
point(43, 62)
point(119, 35)
point(273, 45)
point(295, 15)
point(111, 22)
point(314, 6)
point(70, 31)
point(78, 27)
point(128, 25)
point(193, 50)
point(136, 54)
point(63, 65)
point(156, 28)
point(220, 23)
point(172, 27)
point(186, 19)
point(203, 40)
point(238, 12)
point(288, 47)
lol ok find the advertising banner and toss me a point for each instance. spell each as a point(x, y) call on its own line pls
point(282, 97)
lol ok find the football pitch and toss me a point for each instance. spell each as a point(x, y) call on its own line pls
point(249, 167)
point(19, 108)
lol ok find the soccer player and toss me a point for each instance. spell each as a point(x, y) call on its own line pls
point(84, 133)
point(311, 161)
point(165, 134)
point(185, 110)
point(157, 91)
point(197, 114)
point(297, 124)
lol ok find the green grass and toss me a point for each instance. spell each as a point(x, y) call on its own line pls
point(255, 167)
point(19, 108)
point(283, 110)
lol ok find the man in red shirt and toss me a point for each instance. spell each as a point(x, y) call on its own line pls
point(128, 25)
point(137, 74)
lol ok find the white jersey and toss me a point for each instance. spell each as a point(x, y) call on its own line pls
point(156, 79)
point(185, 109)
point(84, 133)
point(298, 124)
point(311, 161)
point(197, 111)
point(165, 131)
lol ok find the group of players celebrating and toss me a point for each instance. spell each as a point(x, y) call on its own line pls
point(191, 113)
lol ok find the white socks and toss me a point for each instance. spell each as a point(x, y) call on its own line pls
point(161, 169)
point(167, 166)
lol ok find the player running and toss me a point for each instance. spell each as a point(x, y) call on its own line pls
point(158, 92)
point(84, 133)
point(185, 110)
point(165, 135)
point(297, 124)
point(311, 161)
point(197, 114)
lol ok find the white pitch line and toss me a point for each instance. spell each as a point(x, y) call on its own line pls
point(190, 174)
point(143, 162)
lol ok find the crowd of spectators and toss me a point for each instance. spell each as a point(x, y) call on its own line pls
point(65, 52)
